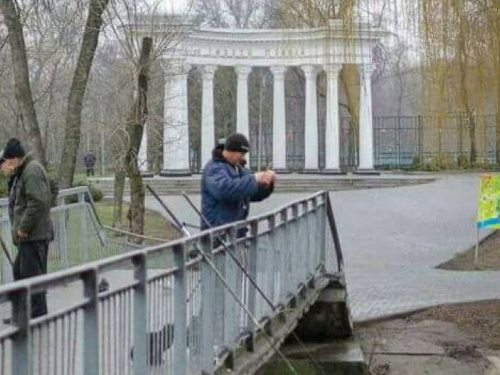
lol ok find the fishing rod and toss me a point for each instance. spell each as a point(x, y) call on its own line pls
point(249, 277)
point(204, 256)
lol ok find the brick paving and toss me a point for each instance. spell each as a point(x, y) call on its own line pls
point(393, 238)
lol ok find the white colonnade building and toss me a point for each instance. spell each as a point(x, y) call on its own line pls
point(313, 50)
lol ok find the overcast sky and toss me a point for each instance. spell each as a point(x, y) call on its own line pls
point(173, 6)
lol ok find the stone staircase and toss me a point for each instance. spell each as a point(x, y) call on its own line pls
point(292, 183)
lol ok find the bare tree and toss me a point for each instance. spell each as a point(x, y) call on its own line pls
point(128, 21)
point(135, 127)
point(239, 14)
point(77, 91)
point(24, 95)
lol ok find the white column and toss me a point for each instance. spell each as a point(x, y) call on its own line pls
point(279, 119)
point(242, 97)
point(365, 119)
point(311, 124)
point(175, 121)
point(207, 114)
point(332, 130)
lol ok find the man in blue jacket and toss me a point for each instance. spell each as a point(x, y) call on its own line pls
point(227, 187)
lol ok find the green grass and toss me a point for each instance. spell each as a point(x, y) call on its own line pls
point(156, 225)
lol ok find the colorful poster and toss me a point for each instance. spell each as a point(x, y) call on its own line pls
point(488, 213)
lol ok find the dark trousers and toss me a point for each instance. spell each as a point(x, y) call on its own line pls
point(90, 171)
point(31, 261)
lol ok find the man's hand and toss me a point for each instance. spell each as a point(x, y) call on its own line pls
point(271, 174)
point(22, 234)
point(265, 178)
point(262, 178)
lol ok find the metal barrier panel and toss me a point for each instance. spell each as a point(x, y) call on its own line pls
point(172, 308)
point(79, 237)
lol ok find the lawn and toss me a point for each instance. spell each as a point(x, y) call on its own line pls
point(156, 226)
point(81, 236)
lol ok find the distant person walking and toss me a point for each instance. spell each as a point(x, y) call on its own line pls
point(89, 161)
point(30, 199)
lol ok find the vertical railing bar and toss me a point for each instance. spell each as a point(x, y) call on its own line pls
point(315, 234)
point(91, 324)
point(40, 339)
point(292, 254)
point(21, 340)
point(230, 307)
point(180, 284)
point(335, 235)
point(284, 252)
point(130, 326)
point(108, 357)
point(103, 332)
point(322, 231)
point(84, 229)
point(74, 343)
point(303, 224)
point(140, 314)
point(272, 227)
point(48, 348)
point(63, 346)
point(252, 268)
point(114, 324)
point(207, 308)
point(121, 332)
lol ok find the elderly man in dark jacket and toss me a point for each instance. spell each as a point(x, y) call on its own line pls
point(227, 187)
point(30, 200)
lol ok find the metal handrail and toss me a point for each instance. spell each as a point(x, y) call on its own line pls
point(180, 283)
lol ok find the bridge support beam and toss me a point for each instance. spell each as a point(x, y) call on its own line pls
point(329, 317)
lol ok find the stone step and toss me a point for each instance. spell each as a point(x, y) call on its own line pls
point(286, 184)
point(342, 356)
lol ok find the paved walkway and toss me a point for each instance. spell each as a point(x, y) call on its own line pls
point(393, 238)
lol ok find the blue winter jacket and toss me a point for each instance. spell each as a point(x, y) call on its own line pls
point(226, 191)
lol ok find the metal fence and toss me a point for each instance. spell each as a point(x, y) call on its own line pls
point(80, 236)
point(399, 141)
point(167, 312)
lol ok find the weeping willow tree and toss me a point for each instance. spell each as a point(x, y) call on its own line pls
point(461, 61)
point(459, 55)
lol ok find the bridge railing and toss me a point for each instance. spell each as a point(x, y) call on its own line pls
point(79, 235)
point(166, 310)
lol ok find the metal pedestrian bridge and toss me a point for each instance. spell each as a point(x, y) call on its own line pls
point(210, 303)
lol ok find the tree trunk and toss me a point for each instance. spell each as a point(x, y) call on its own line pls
point(75, 99)
point(349, 77)
point(24, 95)
point(135, 127)
point(119, 188)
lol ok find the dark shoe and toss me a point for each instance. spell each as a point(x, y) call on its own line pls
point(7, 321)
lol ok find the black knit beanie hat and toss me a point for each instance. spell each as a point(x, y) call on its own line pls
point(237, 142)
point(13, 149)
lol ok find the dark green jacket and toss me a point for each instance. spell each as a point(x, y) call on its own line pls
point(30, 200)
